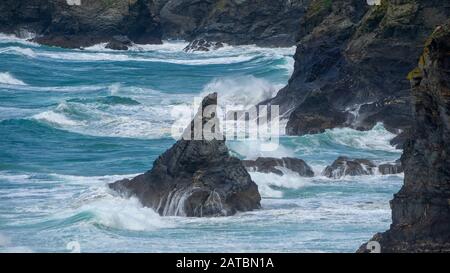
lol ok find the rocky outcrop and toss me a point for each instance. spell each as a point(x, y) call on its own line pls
point(195, 178)
point(390, 168)
point(202, 45)
point(66, 24)
point(273, 165)
point(421, 209)
point(344, 166)
point(350, 64)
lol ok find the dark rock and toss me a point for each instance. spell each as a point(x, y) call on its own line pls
point(202, 45)
point(399, 140)
point(421, 209)
point(57, 23)
point(344, 166)
point(262, 22)
point(350, 64)
point(195, 178)
point(390, 168)
point(119, 43)
point(271, 165)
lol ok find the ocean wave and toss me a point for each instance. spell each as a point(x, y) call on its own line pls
point(116, 212)
point(80, 56)
point(269, 184)
point(376, 139)
point(7, 78)
point(242, 90)
point(9, 38)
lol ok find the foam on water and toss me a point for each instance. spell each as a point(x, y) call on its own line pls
point(7, 78)
point(235, 90)
point(116, 212)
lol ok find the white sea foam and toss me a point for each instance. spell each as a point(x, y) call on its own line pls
point(55, 119)
point(120, 213)
point(243, 90)
point(7, 78)
point(377, 138)
point(289, 180)
point(8, 38)
point(251, 149)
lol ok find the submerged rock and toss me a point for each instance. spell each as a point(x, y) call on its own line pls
point(202, 45)
point(272, 165)
point(344, 166)
point(421, 209)
point(195, 178)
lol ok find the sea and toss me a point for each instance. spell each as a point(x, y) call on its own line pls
point(72, 121)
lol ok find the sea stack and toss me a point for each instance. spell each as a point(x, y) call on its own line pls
point(421, 209)
point(195, 178)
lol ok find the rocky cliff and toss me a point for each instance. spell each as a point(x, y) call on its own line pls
point(79, 23)
point(195, 177)
point(350, 64)
point(421, 209)
point(70, 23)
point(261, 22)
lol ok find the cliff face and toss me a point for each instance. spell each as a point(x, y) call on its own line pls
point(351, 61)
point(421, 209)
point(262, 22)
point(69, 25)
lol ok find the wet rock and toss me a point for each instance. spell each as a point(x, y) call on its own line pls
point(351, 62)
point(195, 178)
point(119, 43)
point(262, 22)
point(57, 23)
point(202, 45)
point(421, 209)
point(344, 166)
point(273, 165)
point(390, 168)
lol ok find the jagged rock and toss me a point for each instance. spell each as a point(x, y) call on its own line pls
point(421, 209)
point(390, 168)
point(271, 165)
point(352, 56)
point(195, 178)
point(344, 166)
point(119, 43)
point(202, 45)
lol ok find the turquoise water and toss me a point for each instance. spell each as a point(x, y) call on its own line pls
point(73, 120)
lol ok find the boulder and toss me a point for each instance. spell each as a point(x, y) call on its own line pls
point(272, 165)
point(195, 177)
point(344, 166)
point(202, 45)
point(119, 43)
